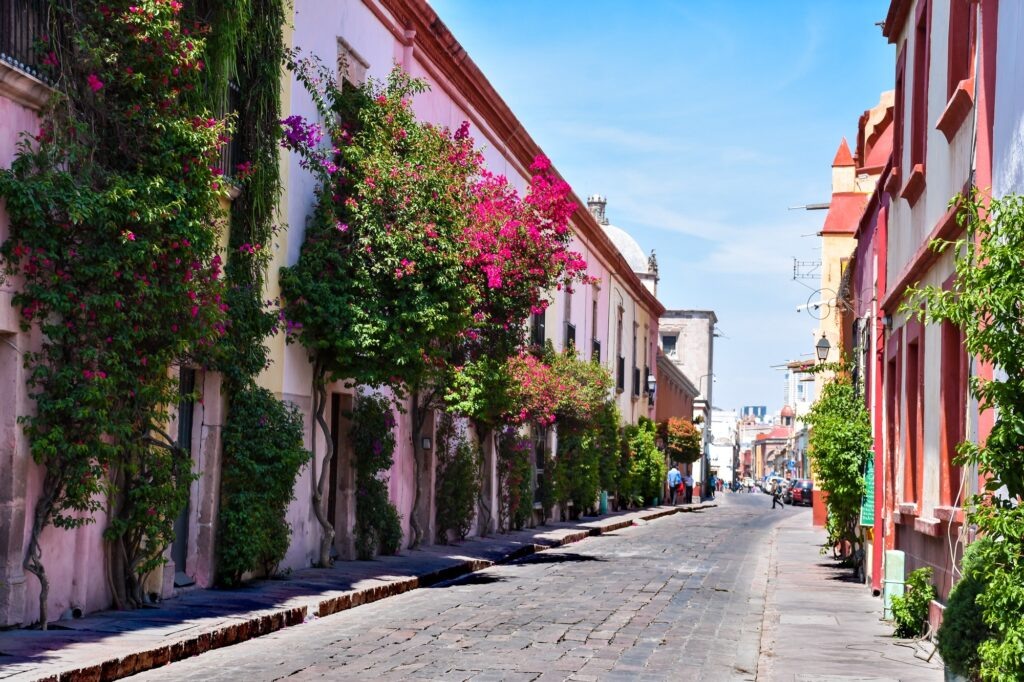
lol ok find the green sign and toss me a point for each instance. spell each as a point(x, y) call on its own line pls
point(867, 506)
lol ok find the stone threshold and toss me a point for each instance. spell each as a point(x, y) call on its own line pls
point(111, 645)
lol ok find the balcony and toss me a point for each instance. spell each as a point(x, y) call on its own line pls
point(230, 151)
point(22, 26)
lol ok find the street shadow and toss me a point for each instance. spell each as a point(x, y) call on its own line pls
point(478, 578)
point(840, 572)
point(555, 558)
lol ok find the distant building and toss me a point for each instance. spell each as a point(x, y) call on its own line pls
point(758, 412)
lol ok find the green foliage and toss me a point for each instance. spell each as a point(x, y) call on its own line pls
point(910, 611)
point(378, 528)
point(839, 446)
point(985, 303)
point(963, 627)
point(242, 354)
point(379, 278)
point(114, 210)
point(263, 454)
point(458, 480)
point(605, 432)
point(682, 440)
point(514, 480)
point(647, 463)
point(587, 454)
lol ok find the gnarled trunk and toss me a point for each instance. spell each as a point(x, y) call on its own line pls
point(485, 514)
point(419, 417)
point(34, 557)
point(320, 482)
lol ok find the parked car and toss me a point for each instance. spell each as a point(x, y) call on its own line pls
point(801, 491)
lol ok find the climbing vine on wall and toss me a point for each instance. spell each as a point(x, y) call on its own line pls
point(458, 479)
point(113, 208)
point(378, 527)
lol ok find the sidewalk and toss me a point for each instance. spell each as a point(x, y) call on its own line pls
point(113, 644)
point(821, 624)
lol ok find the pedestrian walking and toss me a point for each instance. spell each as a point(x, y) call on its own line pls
point(777, 495)
point(675, 482)
point(688, 482)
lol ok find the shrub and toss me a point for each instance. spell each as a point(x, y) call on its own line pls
point(910, 611)
point(963, 626)
point(378, 527)
point(263, 454)
point(514, 485)
point(682, 440)
point(577, 468)
point(458, 480)
point(648, 469)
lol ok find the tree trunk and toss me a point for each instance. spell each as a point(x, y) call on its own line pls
point(483, 434)
point(34, 557)
point(419, 416)
point(320, 483)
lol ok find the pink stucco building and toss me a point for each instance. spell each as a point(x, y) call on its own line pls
point(615, 318)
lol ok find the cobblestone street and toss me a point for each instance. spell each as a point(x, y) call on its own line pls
point(679, 598)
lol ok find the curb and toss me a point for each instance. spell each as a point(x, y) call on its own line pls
point(265, 623)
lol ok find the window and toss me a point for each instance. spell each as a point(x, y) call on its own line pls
point(538, 335)
point(595, 352)
point(540, 456)
point(668, 344)
point(570, 335)
point(953, 398)
point(899, 113)
point(919, 104)
point(913, 393)
point(351, 65)
point(620, 374)
point(962, 29)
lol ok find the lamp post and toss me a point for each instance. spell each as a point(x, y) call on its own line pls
point(652, 385)
point(822, 348)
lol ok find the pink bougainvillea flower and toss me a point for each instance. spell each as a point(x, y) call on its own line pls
point(94, 82)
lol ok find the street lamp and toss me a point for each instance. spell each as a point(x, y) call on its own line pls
point(822, 348)
point(652, 385)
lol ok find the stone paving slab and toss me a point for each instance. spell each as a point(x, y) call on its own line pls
point(822, 624)
point(113, 644)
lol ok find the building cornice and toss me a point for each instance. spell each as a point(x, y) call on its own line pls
point(675, 374)
point(895, 19)
point(415, 24)
point(26, 90)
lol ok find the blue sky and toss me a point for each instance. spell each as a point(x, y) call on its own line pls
point(701, 122)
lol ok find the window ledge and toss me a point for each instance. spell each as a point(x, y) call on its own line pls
point(907, 511)
point(892, 185)
point(959, 106)
point(949, 514)
point(927, 525)
point(913, 188)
